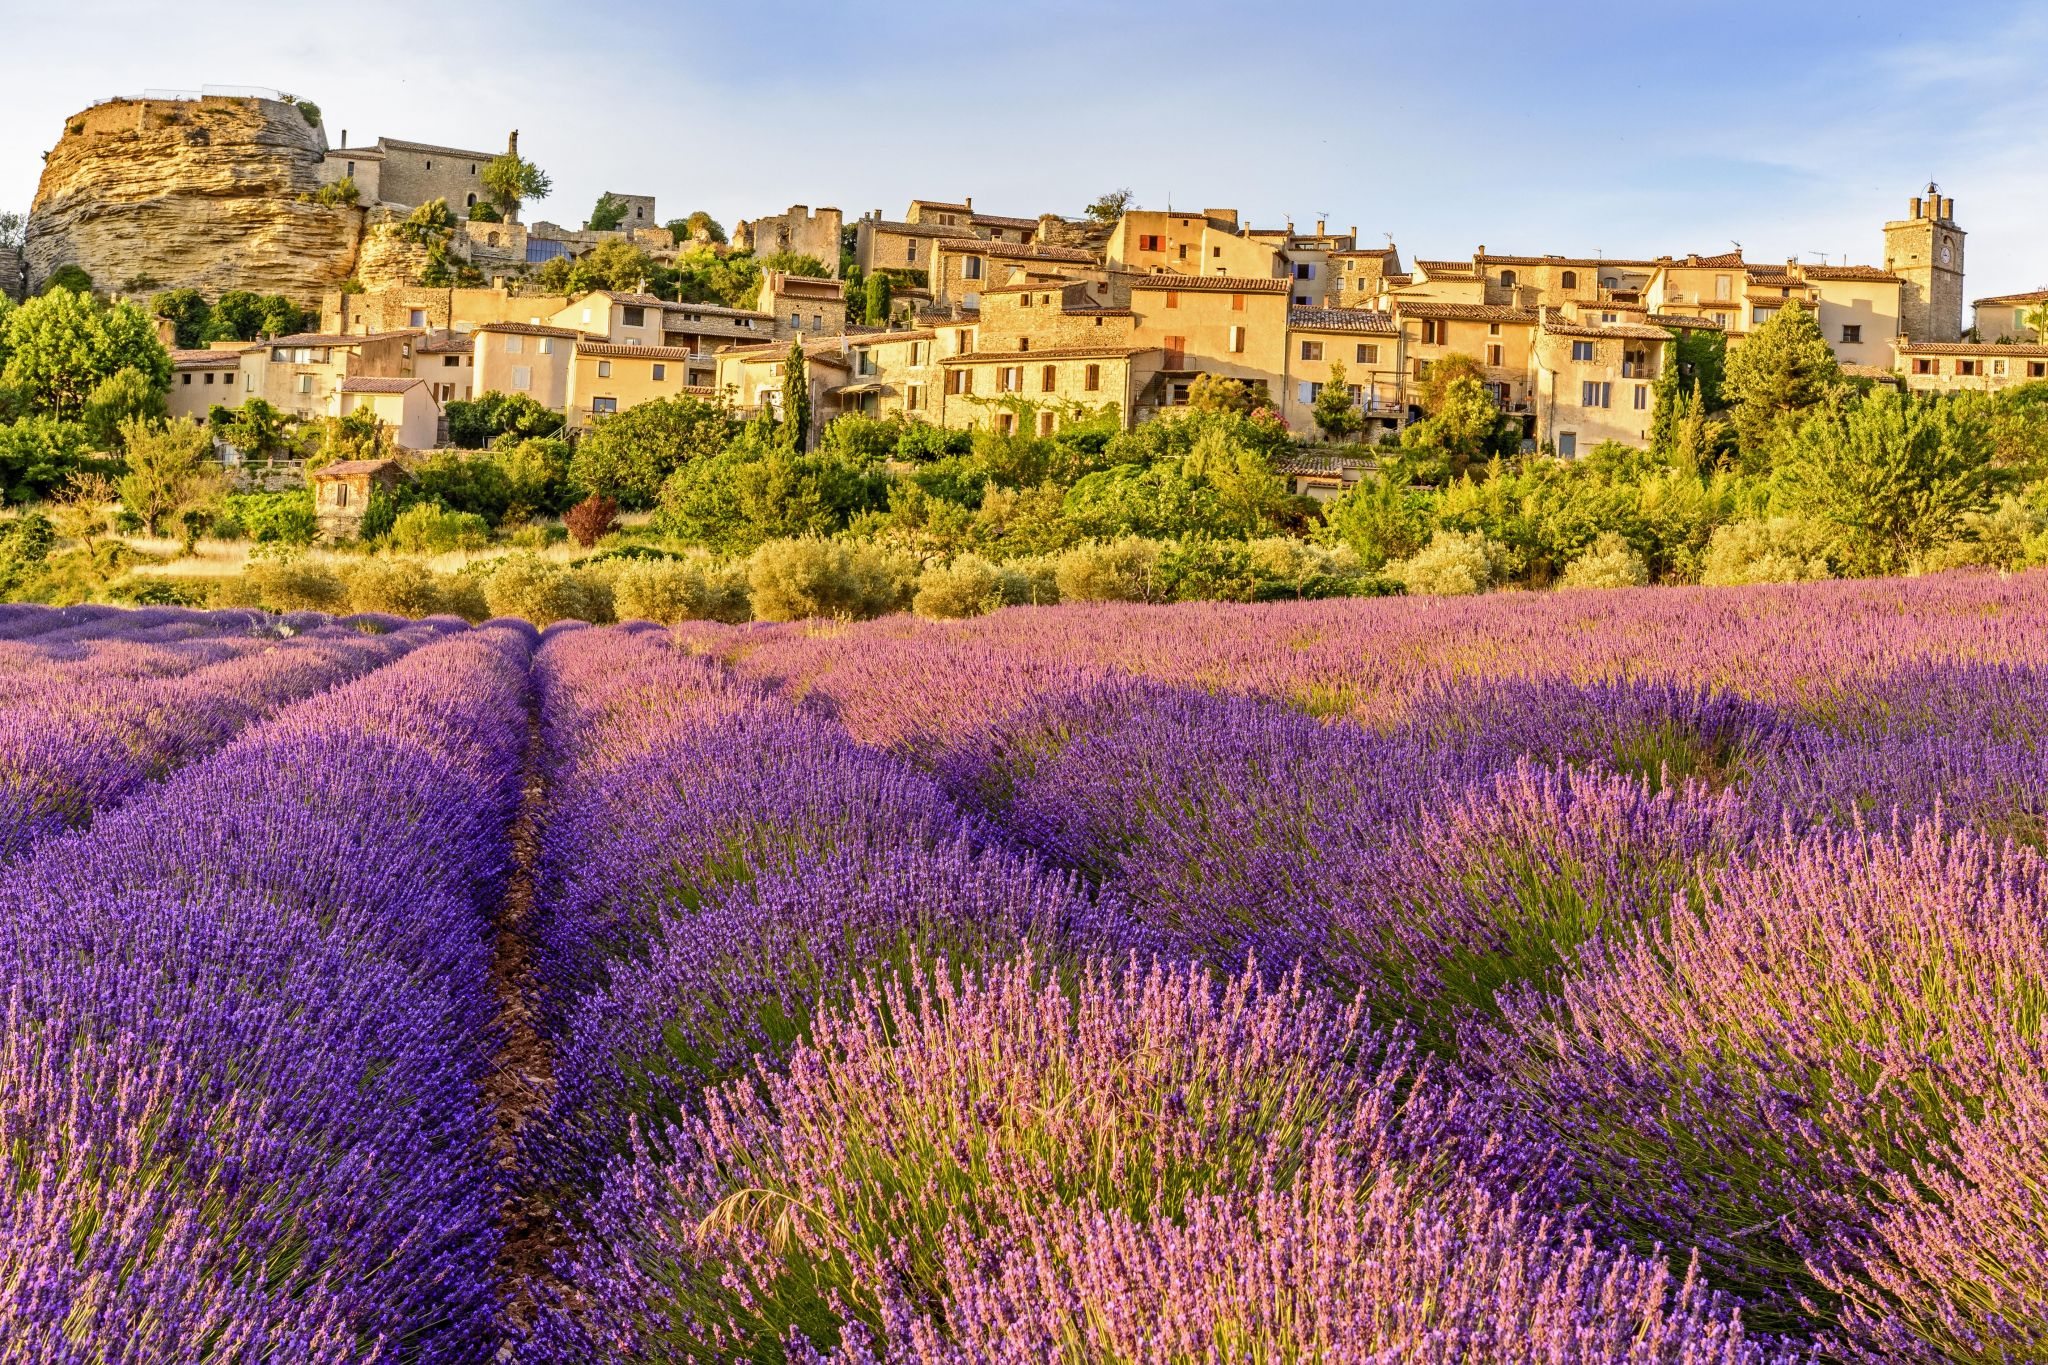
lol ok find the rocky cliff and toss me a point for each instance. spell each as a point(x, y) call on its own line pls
point(201, 194)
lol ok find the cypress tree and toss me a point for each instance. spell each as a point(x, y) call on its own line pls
point(796, 399)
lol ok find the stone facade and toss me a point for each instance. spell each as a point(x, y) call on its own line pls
point(341, 493)
point(2004, 317)
point(1953, 367)
point(639, 211)
point(419, 308)
point(408, 174)
point(801, 229)
point(802, 304)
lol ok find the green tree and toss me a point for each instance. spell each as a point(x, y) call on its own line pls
point(1443, 375)
point(121, 397)
point(170, 469)
point(476, 422)
point(511, 179)
point(256, 428)
point(61, 346)
point(1215, 393)
point(1336, 412)
point(697, 224)
point(1782, 369)
point(796, 399)
point(1466, 428)
point(239, 315)
point(68, 278)
point(187, 312)
point(877, 291)
point(796, 263)
point(629, 455)
point(37, 454)
point(2035, 320)
point(484, 211)
point(1160, 501)
point(1383, 517)
point(1109, 207)
point(607, 215)
point(616, 265)
point(1891, 475)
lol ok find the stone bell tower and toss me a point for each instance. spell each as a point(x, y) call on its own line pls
point(1926, 248)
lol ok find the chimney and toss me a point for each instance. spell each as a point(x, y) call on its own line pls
point(1948, 210)
point(969, 201)
point(1319, 227)
point(344, 137)
point(512, 144)
point(1916, 206)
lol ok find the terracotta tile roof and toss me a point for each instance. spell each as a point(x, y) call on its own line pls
point(332, 338)
point(716, 310)
point(1016, 251)
point(1687, 323)
point(1368, 251)
point(444, 342)
point(1049, 353)
point(1726, 260)
point(2031, 296)
point(915, 229)
point(437, 150)
point(1208, 284)
point(1089, 310)
point(998, 220)
point(939, 204)
point(350, 468)
point(1874, 274)
point(205, 360)
point(529, 329)
point(1557, 324)
point(885, 335)
point(823, 349)
point(606, 350)
point(1444, 267)
point(1403, 278)
point(1343, 320)
point(1464, 312)
point(366, 384)
point(1772, 276)
point(2030, 350)
point(1569, 262)
point(630, 300)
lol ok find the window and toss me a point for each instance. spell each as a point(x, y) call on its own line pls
point(661, 371)
point(1762, 314)
point(1493, 329)
point(1173, 298)
point(1582, 350)
point(963, 340)
point(1306, 391)
point(472, 199)
point(1045, 421)
point(449, 362)
point(1494, 355)
point(1176, 352)
point(604, 369)
point(1025, 301)
point(1852, 333)
point(1311, 350)
point(1568, 443)
point(1304, 271)
point(1010, 379)
point(1091, 378)
point(1368, 354)
point(1966, 367)
point(604, 405)
point(547, 345)
point(1642, 397)
point(209, 376)
point(1150, 242)
point(472, 168)
point(1998, 367)
point(1594, 393)
point(305, 383)
point(1183, 251)
point(1237, 340)
point(1237, 303)
point(959, 381)
point(1568, 280)
point(522, 377)
point(1006, 422)
point(351, 170)
point(416, 318)
point(910, 252)
point(1721, 288)
point(430, 165)
point(2037, 369)
point(632, 316)
point(1507, 279)
point(796, 322)
point(913, 396)
point(970, 268)
point(1023, 343)
point(1434, 333)
point(1048, 378)
point(341, 495)
point(1924, 365)
point(187, 376)
point(1179, 397)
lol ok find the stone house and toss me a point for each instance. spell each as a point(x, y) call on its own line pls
point(1358, 278)
point(1958, 366)
point(1701, 286)
point(447, 361)
point(1208, 324)
point(408, 174)
point(302, 374)
point(881, 244)
point(419, 308)
point(963, 267)
point(620, 318)
point(341, 493)
point(1033, 392)
point(1498, 337)
point(802, 304)
point(1592, 382)
point(1367, 343)
point(525, 357)
point(751, 376)
point(639, 211)
point(202, 378)
point(702, 328)
point(892, 373)
point(606, 378)
point(2002, 317)
point(406, 408)
point(1859, 308)
point(1208, 242)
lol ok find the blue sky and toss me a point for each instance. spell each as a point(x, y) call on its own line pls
point(1623, 129)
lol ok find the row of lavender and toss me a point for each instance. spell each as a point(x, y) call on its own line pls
point(91, 712)
point(248, 1018)
point(844, 1070)
point(1758, 939)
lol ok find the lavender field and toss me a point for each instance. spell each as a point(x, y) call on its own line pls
point(1635, 976)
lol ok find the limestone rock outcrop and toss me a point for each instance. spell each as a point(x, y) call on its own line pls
point(201, 194)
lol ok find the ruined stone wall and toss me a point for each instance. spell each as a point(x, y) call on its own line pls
point(806, 231)
point(10, 272)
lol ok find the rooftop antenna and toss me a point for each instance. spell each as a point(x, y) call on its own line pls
point(1737, 245)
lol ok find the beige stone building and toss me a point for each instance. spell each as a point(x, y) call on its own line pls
point(1367, 343)
point(447, 362)
point(202, 378)
point(1232, 327)
point(606, 378)
point(342, 492)
point(1359, 277)
point(420, 308)
point(1208, 242)
point(1034, 392)
point(964, 267)
point(2004, 317)
point(1926, 249)
point(884, 244)
point(1592, 382)
point(802, 304)
point(406, 408)
point(800, 228)
point(620, 318)
point(1499, 337)
point(892, 373)
point(408, 174)
point(525, 358)
point(1961, 366)
point(303, 374)
point(750, 377)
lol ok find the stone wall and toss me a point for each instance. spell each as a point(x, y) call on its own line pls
point(201, 194)
point(806, 231)
point(10, 272)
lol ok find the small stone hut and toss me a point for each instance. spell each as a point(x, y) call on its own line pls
point(341, 493)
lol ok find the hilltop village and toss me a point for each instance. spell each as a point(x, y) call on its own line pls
point(949, 312)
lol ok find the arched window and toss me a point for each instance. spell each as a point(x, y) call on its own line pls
point(1507, 279)
point(493, 238)
point(472, 199)
point(1569, 280)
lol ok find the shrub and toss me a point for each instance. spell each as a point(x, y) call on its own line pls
point(2011, 537)
point(699, 588)
point(528, 586)
point(425, 528)
point(1453, 564)
point(969, 586)
point(1125, 570)
point(1611, 563)
point(397, 586)
point(284, 519)
point(1781, 550)
point(1200, 569)
point(592, 519)
point(286, 585)
point(796, 579)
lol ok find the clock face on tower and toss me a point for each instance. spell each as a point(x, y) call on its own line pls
point(1946, 254)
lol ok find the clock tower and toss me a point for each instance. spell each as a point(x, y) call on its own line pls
point(1926, 250)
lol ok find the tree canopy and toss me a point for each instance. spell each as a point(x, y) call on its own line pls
point(61, 346)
